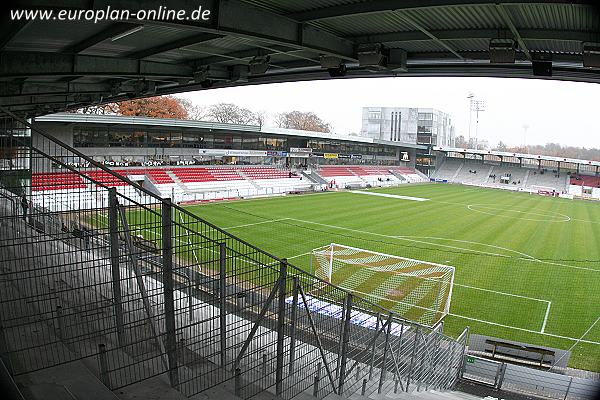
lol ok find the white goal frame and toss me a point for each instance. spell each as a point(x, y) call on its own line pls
point(436, 279)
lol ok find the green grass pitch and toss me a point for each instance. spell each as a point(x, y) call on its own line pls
point(527, 267)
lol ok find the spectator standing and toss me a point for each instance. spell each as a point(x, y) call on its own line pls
point(24, 206)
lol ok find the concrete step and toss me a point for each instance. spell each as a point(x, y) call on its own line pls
point(67, 381)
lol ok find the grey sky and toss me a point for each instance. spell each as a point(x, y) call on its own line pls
point(559, 112)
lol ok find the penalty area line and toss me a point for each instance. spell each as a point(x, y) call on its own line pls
point(254, 223)
point(524, 329)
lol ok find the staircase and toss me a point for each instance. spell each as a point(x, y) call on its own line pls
point(460, 167)
point(399, 176)
point(252, 182)
point(178, 181)
point(427, 395)
point(200, 312)
point(524, 182)
point(315, 177)
point(491, 170)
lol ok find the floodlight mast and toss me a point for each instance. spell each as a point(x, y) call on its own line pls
point(477, 106)
point(470, 97)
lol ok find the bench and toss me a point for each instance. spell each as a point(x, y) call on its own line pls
point(520, 354)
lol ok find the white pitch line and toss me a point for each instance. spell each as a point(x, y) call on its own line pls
point(392, 196)
point(531, 258)
point(546, 317)
point(469, 206)
point(469, 242)
point(255, 223)
point(504, 293)
point(299, 255)
point(524, 329)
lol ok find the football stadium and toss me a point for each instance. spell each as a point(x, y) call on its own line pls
point(152, 253)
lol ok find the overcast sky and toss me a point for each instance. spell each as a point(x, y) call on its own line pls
point(559, 112)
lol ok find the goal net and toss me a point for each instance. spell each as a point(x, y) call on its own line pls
point(543, 190)
point(416, 290)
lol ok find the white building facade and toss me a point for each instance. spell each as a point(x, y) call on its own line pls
point(409, 125)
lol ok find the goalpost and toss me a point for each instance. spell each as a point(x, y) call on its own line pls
point(543, 190)
point(416, 290)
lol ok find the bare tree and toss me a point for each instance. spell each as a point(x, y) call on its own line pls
point(260, 118)
point(228, 113)
point(194, 111)
point(306, 121)
point(460, 141)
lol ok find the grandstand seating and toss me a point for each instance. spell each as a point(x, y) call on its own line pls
point(56, 181)
point(448, 169)
point(457, 170)
point(585, 180)
point(202, 183)
point(159, 176)
point(363, 175)
point(547, 179)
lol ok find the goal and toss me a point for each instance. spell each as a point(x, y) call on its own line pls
point(544, 190)
point(416, 290)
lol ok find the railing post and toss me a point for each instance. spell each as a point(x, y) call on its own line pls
point(568, 387)
point(237, 382)
point(222, 302)
point(60, 322)
point(296, 283)
point(280, 327)
point(4, 351)
point(344, 345)
point(103, 361)
point(264, 365)
point(316, 381)
point(461, 365)
point(167, 261)
point(382, 374)
point(113, 221)
point(373, 347)
point(412, 358)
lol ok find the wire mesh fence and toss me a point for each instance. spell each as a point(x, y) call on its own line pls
point(95, 266)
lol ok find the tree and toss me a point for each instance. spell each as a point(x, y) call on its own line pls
point(460, 141)
point(228, 113)
point(306, 121)
point(194, 112)
point(260, 118)
point(102, 109)
point(501, 146)
point(154, 107)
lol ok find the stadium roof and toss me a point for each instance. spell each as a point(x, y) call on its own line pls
point(47, 66)
point(516, 155)
point(68, 118)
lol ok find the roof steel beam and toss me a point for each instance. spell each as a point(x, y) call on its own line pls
point(31, 64)
point(9, 29)
point(239, 19)
point(177, 44)
point(506, 18)
point(430, 35)
point(109, 32)
point(375, 6)
point(457, 34)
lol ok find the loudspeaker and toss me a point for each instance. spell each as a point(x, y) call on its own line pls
point(542, 68)
point(591, 55)
point(502, 51)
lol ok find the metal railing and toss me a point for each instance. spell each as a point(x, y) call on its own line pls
point(527, 380)
point(147, 288)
